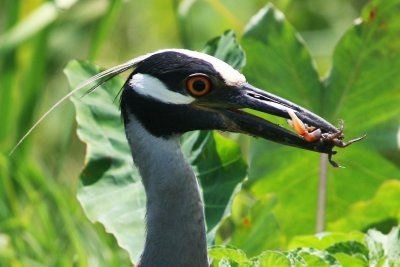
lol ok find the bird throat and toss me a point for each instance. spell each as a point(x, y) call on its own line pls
point(175, 225)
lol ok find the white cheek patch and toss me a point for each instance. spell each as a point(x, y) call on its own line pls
point(149, 86)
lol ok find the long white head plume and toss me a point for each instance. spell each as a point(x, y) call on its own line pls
point(102, 76)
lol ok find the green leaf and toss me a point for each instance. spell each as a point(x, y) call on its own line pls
point(235, 256)
point(110, 191)
point(384, 249)
point(225, 47)
point(223, 170)
point(274, 258)
point(325, 240)
point(334, 249)
point(311, 257)
point(381, 212)
point(352, 248)
point(346, 260)
point(278, 61)
point(364, 80)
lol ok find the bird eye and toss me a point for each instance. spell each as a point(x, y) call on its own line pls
point(198, 85)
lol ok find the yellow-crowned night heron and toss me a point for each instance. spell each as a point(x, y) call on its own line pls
point(174, 91)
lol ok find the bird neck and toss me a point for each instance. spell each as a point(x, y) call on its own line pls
point(176, 234)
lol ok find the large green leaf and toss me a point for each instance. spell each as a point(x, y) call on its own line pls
point(227, 49)
point(384, 250)
point(232, 256)
point(218, 163)
point(278, 61)
point(362, 88)
point(364, 81)
point(325, 240)
point(111, 191)
point(356, 249)
point(381, 212)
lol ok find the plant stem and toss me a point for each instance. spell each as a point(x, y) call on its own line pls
point(321, 208)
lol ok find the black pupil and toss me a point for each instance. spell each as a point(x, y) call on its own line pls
point(199, 85)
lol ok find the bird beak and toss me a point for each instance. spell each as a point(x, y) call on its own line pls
point(230, 102)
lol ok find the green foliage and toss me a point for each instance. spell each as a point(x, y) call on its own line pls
point(42, 224)
point(291, 74)
point(226, 48)
point(372, 249)
point(266, 214)
point(381, 211)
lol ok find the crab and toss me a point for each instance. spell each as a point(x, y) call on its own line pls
point(312, 134)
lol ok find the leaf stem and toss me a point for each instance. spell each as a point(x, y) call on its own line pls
point(321, 205)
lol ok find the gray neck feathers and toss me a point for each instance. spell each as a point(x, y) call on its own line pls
point(175, 215)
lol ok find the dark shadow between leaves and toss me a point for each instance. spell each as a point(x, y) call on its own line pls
point(384, 226)
point(95, 170)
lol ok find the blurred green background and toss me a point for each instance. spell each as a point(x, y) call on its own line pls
point(41, 222)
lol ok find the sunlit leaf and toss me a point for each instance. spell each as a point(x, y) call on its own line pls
point(110, 191)
point(225, 47)
point(278, 60)
point(352, 248)
point(324, 240)
point(384, 249)
point(381, 212)
point(334, 249)
point(236, 256)
point(274, 258)
point(364, 82)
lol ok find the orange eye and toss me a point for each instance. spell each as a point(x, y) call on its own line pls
point(198, 85)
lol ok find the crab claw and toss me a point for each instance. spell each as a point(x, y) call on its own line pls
point(309, 134)
point(297, 124)
point(313, 136)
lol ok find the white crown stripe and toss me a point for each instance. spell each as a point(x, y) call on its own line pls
point(230, 75)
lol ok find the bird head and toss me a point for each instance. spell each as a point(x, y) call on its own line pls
point(171, 92)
